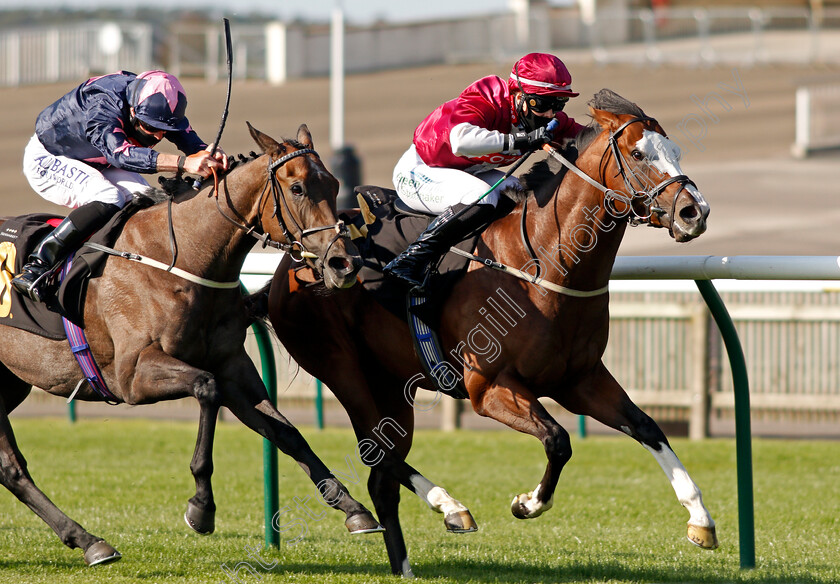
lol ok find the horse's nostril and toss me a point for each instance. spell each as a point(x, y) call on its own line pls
point(688, 213)
point(339, 264)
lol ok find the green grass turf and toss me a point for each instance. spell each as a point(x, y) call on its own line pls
point(615, 517)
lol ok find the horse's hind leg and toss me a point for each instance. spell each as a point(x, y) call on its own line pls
point(15, 477)
point(245, 396)
point(388, 420)
point(512, 404)
point(601, 397)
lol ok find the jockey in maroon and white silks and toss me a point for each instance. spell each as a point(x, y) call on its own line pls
point(459, 143)
point(89, 149)
point(459, 146)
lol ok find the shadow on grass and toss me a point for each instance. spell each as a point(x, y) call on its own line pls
point(497, 572)
point(457, 570)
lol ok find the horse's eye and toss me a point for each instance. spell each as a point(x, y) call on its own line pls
point(297, 190)
point(637, 155)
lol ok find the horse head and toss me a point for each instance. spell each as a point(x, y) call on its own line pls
point(304, 193)
point(641, 170)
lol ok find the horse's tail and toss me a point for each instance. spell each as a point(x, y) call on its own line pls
point(256, 304)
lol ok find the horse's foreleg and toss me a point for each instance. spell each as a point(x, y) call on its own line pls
point(157, 376)
point(245, 396)
point(15, 477)
point(601, 397)
point(511, 403)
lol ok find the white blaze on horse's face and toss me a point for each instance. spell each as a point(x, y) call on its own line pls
point(664, 155)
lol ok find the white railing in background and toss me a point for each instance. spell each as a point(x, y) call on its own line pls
point(705, 36)
point(817, 119)
point(786, 309)
point(279, 51)
point(741, 35)
point(73, 52)
point(198, 50)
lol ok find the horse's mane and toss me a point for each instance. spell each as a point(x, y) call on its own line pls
point(550, 172)
point(609, 101)
point(171, 187)
point(544, 170)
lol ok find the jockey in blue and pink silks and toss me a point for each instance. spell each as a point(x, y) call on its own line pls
point(458, 147)
point(89, 149)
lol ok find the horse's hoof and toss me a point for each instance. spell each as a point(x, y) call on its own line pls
point(101, 553)
point(517, 506)
point(528, 506)
point(202, 521)
point(460, 522)
point(704, 537)
point(363, 523)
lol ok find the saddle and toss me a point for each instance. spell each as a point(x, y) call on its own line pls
point(382, 228)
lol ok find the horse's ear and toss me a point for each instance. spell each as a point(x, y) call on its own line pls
point(266, 142)
point(303, 136)
point(605, 119)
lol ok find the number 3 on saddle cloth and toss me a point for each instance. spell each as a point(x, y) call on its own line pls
point(383, 227)
point(60, 316)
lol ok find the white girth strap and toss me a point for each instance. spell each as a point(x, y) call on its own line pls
point(161, 266)
point(529, 278)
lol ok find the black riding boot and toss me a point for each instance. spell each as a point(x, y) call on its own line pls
point(80, 224)
point(441, 234)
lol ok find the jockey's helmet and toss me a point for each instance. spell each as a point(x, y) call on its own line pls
point(159, 100)
point(545, 81)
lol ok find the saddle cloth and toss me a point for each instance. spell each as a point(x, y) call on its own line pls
point(18, 237)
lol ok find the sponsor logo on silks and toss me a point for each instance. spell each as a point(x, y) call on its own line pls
point(9, 233)
point(8, 254)
point(61, 172)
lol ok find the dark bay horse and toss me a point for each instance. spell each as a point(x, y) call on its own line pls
point(158, 336)
point(512, 341)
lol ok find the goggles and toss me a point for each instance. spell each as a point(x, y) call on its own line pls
point(543, 103)
point(146, 127)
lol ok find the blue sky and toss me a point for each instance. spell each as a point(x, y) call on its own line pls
point(355, 10)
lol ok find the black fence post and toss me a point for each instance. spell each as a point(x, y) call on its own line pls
point(347, 168)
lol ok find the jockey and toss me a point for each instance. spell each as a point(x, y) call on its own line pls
point(458, 147)
point(88, 149)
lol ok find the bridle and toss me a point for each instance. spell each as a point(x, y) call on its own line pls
point(648, 196)
point(293, 245)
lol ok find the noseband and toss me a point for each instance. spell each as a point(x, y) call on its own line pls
point(293, 246)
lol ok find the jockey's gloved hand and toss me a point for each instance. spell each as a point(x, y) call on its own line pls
point(528, 141)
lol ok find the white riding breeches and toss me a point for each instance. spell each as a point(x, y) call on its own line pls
point(72, 183)
point(432, 189)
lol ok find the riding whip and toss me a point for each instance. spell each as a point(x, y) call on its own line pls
point(229, 50)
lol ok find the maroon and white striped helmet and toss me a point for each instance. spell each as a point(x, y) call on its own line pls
point(541, 74)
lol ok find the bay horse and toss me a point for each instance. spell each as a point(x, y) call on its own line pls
point(159, 336)
point(512, 341)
